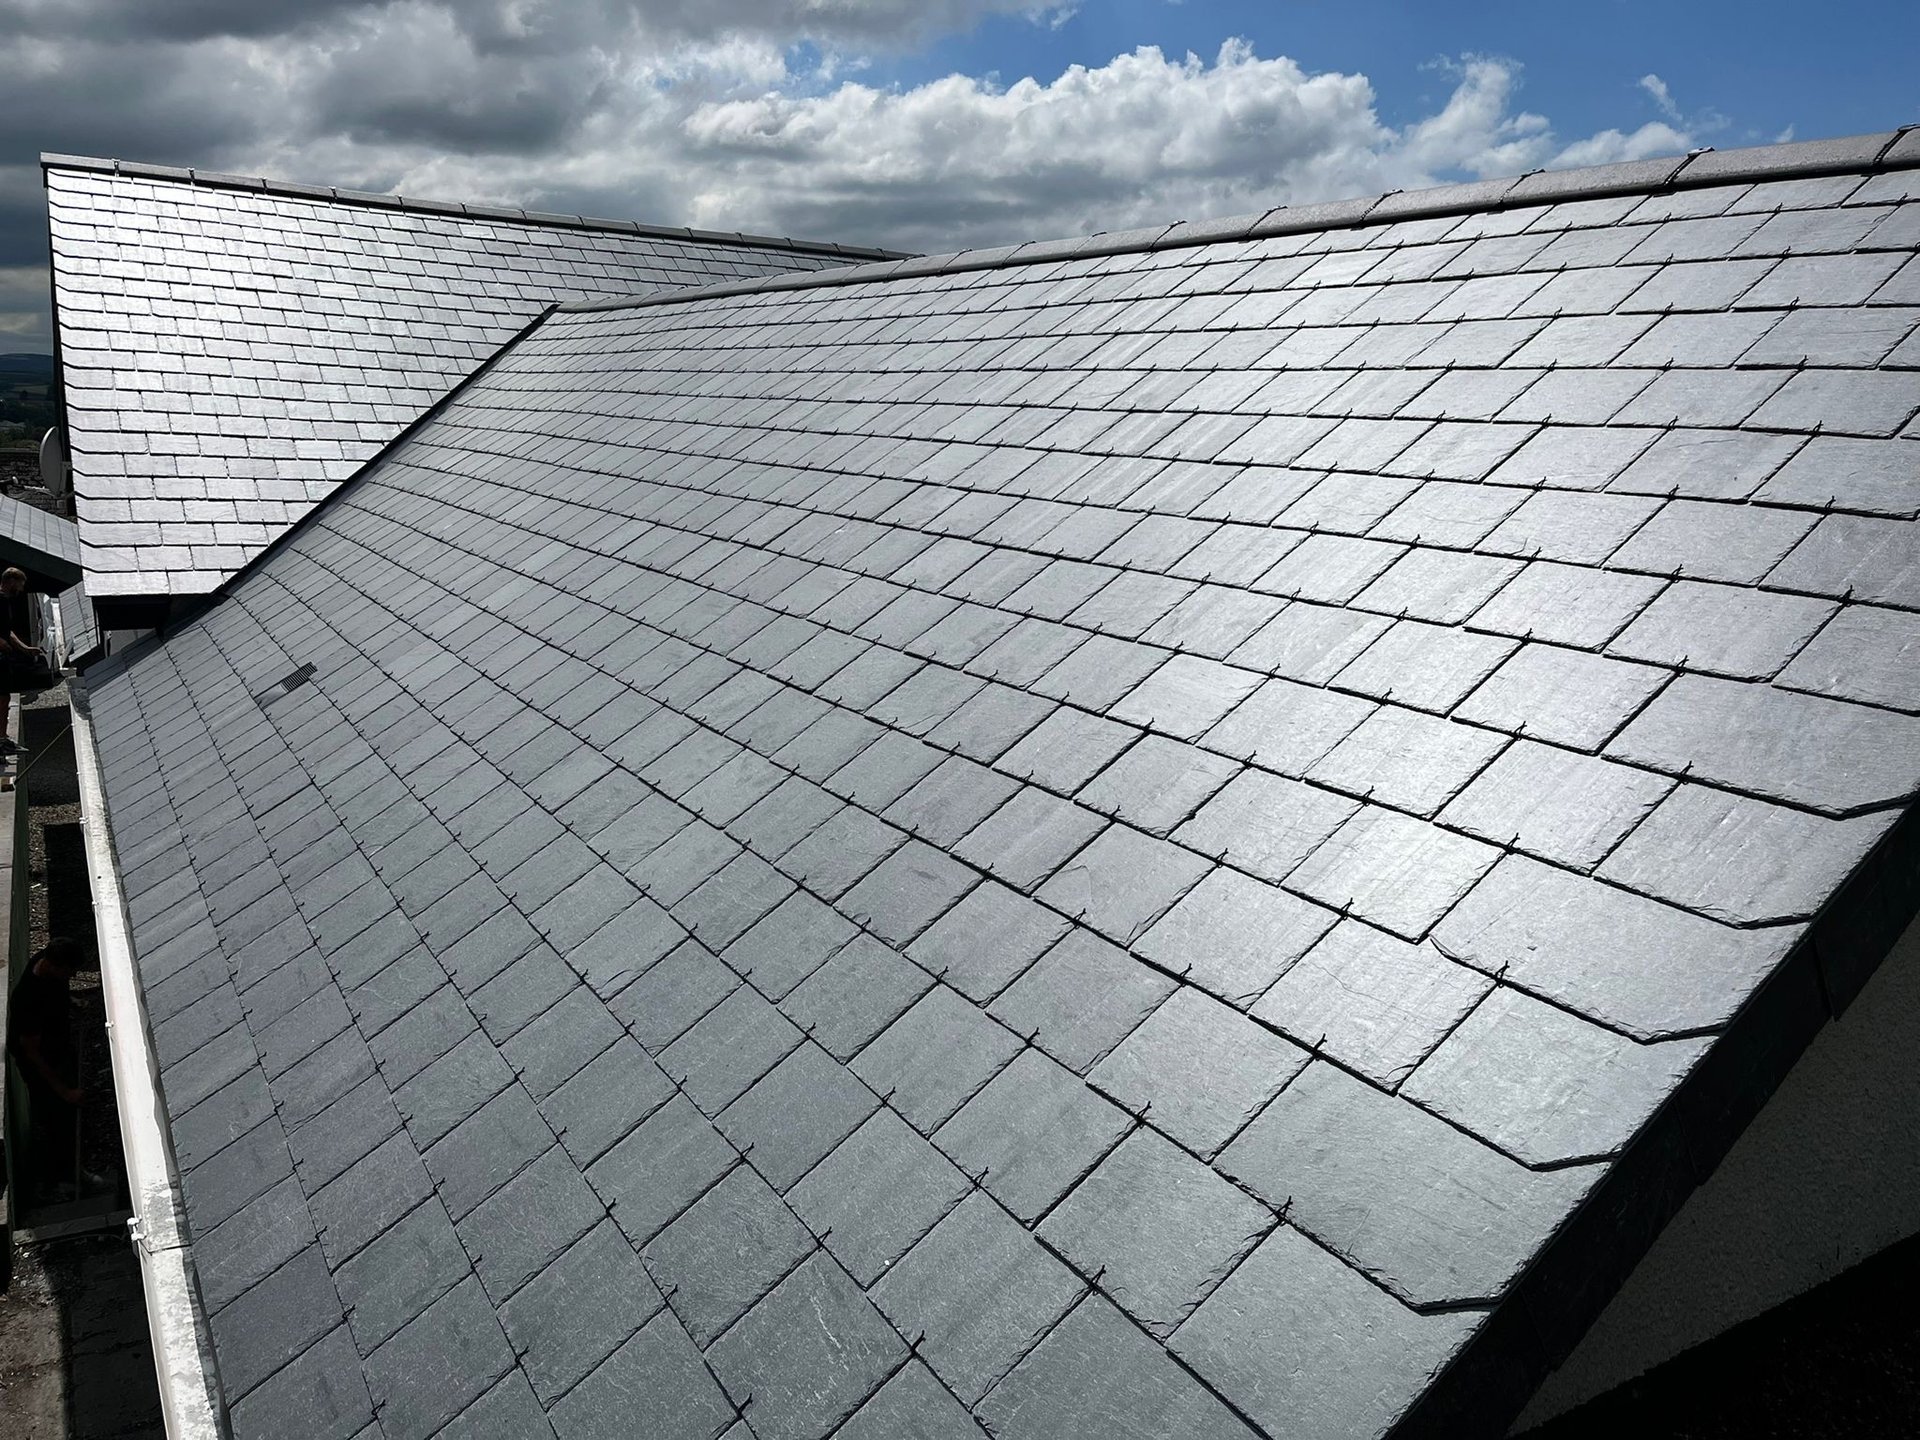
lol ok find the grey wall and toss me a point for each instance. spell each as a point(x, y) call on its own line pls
point(1827, 1175)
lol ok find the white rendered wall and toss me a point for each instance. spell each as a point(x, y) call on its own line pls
point(1827, 1174)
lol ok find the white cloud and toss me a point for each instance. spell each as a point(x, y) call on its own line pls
point(712, 112)
point(1662, 96)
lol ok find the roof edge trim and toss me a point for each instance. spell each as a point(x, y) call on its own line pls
point(184, 1365)
point(213, 179)
point(1556, 1299)
point(1800, 160)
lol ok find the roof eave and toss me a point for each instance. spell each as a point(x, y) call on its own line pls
point(182, 1346)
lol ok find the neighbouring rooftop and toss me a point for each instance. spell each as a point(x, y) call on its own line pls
point(233, 348)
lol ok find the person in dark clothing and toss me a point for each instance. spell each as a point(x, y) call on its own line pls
point(40, 1037)
point(18, 654)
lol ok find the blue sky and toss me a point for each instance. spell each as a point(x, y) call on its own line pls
point(1822, 69)
point(920, 124)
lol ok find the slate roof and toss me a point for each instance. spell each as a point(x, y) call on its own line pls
point(1188, 835)
point(46, 546)
point(233, 348)
point(79, 625)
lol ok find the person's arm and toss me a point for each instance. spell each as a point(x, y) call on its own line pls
point(28, 1047)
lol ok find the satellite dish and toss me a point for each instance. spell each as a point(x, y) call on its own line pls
point(53, 462)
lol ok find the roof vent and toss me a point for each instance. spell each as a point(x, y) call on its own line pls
point(284, 686)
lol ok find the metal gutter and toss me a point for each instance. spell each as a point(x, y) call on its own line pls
point(182, 1351)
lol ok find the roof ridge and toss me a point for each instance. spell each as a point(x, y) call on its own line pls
point(50, 160)
point(1897, 149)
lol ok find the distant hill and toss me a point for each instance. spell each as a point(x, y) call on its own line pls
point(27, 395)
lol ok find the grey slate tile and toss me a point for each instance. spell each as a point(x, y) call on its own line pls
point(323, 1386)
point(1309, 643)
point(1122, 882)
point(608, 1096)
point(1699, 540)
point(1198, 1069)
point(578, 1310)
point(733, 1045)
point(1865, 653)
point(509, 1408)
point(855, 995)
point(1304, 1345)
point(911, 1406)
point(1065, 750)
point(1365, 1174)
point(1393, 871)
point(930, 1060)
point(785, 946)
point(1857, 556)
point(839, 851)
point(807, 1355)
point(400, 1274)
point(252, 1243)
point(659, 1006)
point(1095, 1375)
point(1157, 784)
point(269, 1325)
point(908, 891)
point(1546, 1086)
point(369, 1196)
point(655, 1384)
point(881, 1189)
point(1566, 697)
point(662, 1167)
point(1741, 860)
point(1567, 604)
point(1531, 924)
point(352, 1127)
point(1029, 837)
point(444, 1359)
point(976, 1294)
point(724, 1252)
point(451, 1088)
point(1374, 1003)
point(1158, 1227)
point(1431, 667)
point(795, 1115)
point(1186, 696)
point(1558, 804)
point(1407, 759)
point(518, 1230)
point(1829, 754)
point(481, 1153)
point(987, 939)
point(1232, 936)
point(1032, 1132)
point(1080, 999)
point(1265, 824)
point(1722, 630)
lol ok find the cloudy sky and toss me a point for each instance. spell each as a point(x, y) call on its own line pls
point(918, 124)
